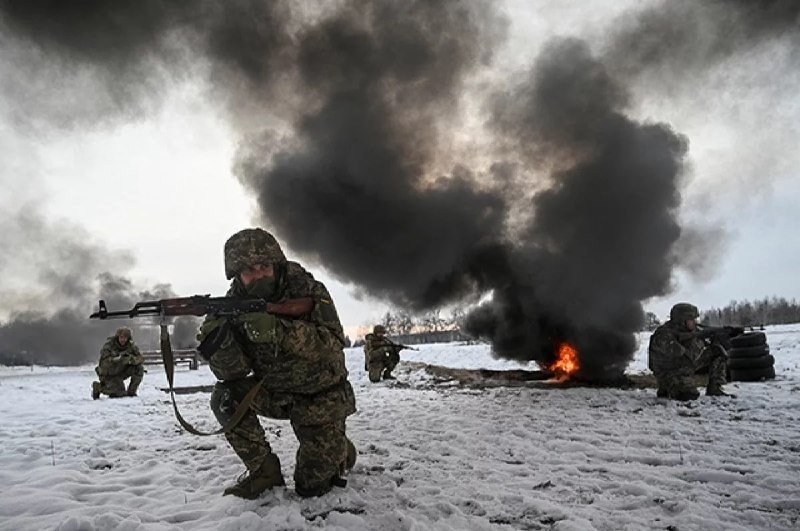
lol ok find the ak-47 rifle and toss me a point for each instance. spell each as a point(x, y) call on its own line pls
point(720, 334)
point(199, 305)
point(400, 346)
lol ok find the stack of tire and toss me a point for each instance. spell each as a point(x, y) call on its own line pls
point(749, 360)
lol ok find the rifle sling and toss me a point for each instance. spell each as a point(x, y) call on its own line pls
point(169, 369)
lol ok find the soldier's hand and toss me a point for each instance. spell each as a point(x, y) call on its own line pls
point(708, 334)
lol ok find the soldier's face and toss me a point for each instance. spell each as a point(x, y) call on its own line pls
point(691, 324)
point(123, 340)
point(258, 271)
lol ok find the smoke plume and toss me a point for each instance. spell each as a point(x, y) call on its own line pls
point(600, 238)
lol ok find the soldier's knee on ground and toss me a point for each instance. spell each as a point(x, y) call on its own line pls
point(322, 454)
point(114, 388)
point(375, 371)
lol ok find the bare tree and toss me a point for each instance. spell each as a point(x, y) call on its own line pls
point(404, 323)
point(389, 321)
point(433, 322)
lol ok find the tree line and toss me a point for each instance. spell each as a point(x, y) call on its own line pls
point(403, 322)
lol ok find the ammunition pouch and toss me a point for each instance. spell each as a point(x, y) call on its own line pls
point(260, 327)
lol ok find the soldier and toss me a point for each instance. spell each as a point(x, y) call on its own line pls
point(296, 363)
point(119, 359)
point(677, 351)
point(381, 355)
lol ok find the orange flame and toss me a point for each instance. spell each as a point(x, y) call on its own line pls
point(567, 362)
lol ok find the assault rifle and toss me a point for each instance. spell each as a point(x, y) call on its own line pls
point(720, 334)
point(400, 346)
point(199, 305)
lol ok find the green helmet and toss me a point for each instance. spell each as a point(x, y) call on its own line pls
point(124, 331)
point(379, 329)
point(249, 247)
point(683, 311)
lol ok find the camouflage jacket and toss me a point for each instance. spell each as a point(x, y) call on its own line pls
point(114, 358)
point(375, 344)
point(306, 355)
point(672, 347)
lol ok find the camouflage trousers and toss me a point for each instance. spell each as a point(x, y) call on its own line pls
point(678, 382)
point(114, 386)
point(318, 422)
point(382, 362)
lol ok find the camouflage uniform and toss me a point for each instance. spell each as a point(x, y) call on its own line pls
point(118, 362)
point(301, 364)
point(677, 353)
point(381, 355)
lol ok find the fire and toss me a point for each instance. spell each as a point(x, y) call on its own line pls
point(566, 363)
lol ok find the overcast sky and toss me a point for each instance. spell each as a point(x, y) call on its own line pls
point(158, 185)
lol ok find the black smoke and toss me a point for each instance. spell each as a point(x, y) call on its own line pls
point(355, 190)
point(88, 62)
point(675, 40)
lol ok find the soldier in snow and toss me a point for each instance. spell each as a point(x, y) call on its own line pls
point(294, 364)
point(119, 359)
point(381, 354)
point(677, 351)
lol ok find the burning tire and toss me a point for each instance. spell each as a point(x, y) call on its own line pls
point(749, 339)
point(753, 375)
point(761, 362)
point(748, 352)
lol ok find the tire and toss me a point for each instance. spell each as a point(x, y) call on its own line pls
point(748, 352)
point(761, 362)
point(749, 339)
point(753, 375)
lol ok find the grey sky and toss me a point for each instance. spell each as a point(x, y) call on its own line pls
point(159, 183)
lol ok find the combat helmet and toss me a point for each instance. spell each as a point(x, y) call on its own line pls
point(378, 329)
point(683, 311)
point(124, 331)
point(249, 247)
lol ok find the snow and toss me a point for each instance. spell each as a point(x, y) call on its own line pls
point(431, 456)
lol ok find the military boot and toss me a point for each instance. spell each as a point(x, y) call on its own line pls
point(95, 390)
point(257, 481)
point(388, 376)
point(716, 390)
point(662, 393)
point(350, 461)
point(132, 389)
point(685, 395)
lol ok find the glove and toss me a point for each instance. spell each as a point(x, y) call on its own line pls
point(219, 346)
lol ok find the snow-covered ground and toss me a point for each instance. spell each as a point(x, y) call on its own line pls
point(441, 457)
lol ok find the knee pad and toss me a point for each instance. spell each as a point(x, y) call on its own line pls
point(223, 404)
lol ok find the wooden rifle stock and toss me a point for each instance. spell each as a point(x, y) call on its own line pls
point(292, 307)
